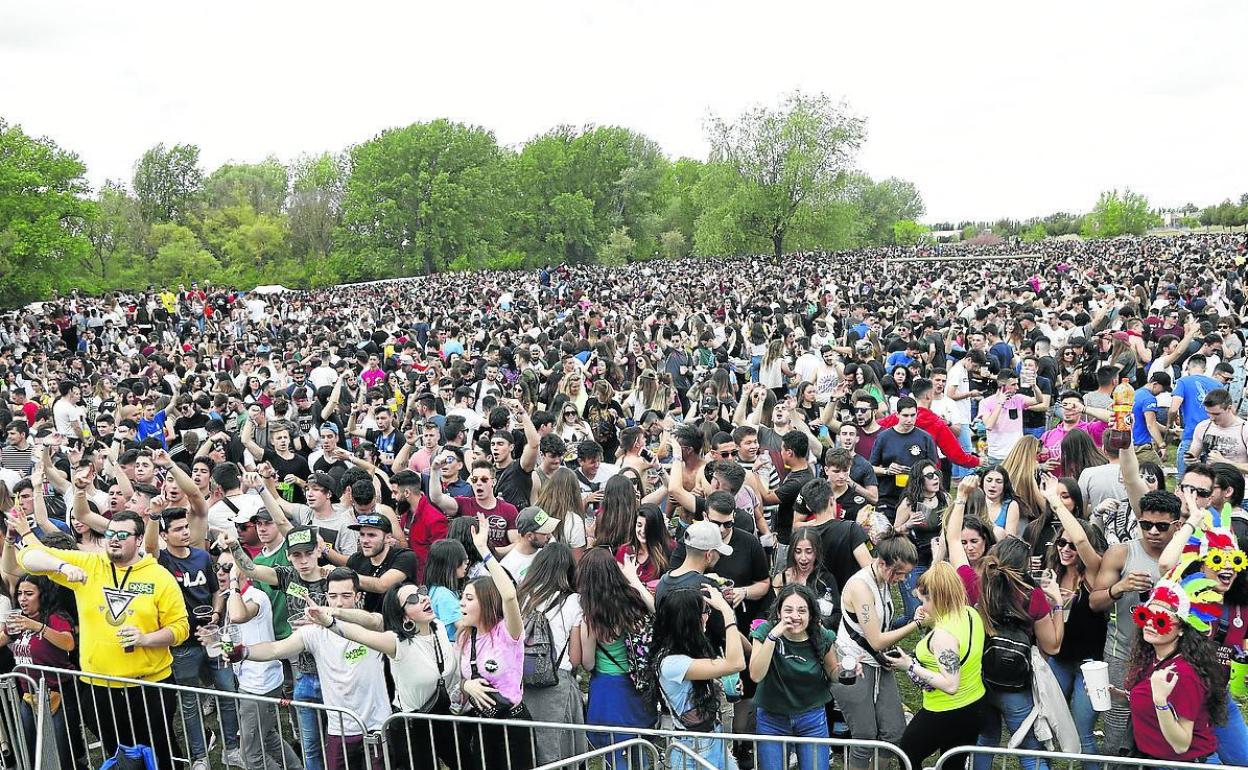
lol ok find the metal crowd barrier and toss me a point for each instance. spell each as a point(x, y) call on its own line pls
point(93, 720)
point(1053, 757)
point(24, 744)
point(428, 741)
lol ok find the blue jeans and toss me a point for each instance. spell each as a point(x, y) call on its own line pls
point(964, 440)
point(190, 661)
point(1070, 679)
point(1232, 736)
point(1013, 707)
point(908, 602)
point(1179, 462)
point(311, 728)
point(773, 755)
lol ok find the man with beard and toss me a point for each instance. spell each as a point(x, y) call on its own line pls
point(1128, 572)
point(380, 566)
point(865, 409)
point(130, 613)
point(535, 527)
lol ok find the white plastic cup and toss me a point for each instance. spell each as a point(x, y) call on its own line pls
point(1096, 680)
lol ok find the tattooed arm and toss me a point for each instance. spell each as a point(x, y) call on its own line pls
point(858, 596)
point(948, 660)
point(244, 562)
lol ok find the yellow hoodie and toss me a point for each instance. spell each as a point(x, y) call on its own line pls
point(148, 598)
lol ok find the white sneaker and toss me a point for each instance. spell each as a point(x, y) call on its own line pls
point(199, 764)
point(233, 758)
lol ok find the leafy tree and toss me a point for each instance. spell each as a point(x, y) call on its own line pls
point(618, 249)
point(1035, 233)
point(420, 196)
point(672, 244)
point(117, 235)
point(786, 159)
point(43, 215)
point(907, 232)
point(263, 186)
point(1119, 214)
point(882, 204)
point(314, 208)
point(180, 257)
point(167, 181)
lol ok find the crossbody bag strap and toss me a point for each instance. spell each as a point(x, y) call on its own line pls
point(472, 655)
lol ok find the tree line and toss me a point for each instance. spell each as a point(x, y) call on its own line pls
point(439, 196)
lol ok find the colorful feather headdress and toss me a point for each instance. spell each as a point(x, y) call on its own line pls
point(1193, 596)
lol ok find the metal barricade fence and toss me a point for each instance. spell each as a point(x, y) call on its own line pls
point(965, 754)
point(578, 759)
point(94, 717)
point(415, 741)
point(18, 738)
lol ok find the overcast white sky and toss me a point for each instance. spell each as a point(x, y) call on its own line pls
point(993, 109)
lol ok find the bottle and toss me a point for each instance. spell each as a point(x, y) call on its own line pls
point(1123, 396)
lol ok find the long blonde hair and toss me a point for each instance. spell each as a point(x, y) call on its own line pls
point(1021, 465)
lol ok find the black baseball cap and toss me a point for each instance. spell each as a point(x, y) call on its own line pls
point(374, 520)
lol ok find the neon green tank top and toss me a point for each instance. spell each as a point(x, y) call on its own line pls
point(968, 628)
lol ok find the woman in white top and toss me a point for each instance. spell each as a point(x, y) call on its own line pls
point(547, 591)
point(249, 608)
point(872, 705)
point(421, 659)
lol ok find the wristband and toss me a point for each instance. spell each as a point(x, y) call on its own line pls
point(485, 559)
point(773, 637)
point(1110, 591)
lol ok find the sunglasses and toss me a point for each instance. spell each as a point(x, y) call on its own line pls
point(225, 567)
point(1162, 622)
point(722, 524)
point(118, 535)
point(1158, 526)
point(931, 476)
point(422, 594)
point(1199, 491)
point(1061, 543)
point(861, 410)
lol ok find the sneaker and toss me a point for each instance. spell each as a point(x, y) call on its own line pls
point(212, 741)
point(234, 757)
point(199, 764)
point(210, 706)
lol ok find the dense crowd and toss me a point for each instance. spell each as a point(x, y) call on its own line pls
point(745, 496)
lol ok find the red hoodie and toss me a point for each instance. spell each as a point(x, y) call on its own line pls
point(940, 432)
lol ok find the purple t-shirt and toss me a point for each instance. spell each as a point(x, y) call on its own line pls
point(1052, 439)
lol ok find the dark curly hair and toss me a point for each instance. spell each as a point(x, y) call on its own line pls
point(1199, 652)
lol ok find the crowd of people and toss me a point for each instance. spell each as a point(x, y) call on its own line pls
point(745, 496)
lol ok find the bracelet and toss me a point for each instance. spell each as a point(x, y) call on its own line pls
point(1110, 591)
point(485, 559)
point(773, 637)
point(1168, 707)
point(337, 629)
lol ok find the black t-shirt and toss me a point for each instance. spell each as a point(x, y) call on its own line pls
point(193, 422)
point(514, 485)
point(295, 604)
point(782, 521)
point(297, 466)
point(902, 448)
point(397, 557)
point(839, 538)
point(196, 578)
point(747, 564)
point(1043, 386)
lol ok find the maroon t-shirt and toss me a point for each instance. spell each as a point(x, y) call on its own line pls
point(501, 517)
point(1188, 700)
point(28, 649)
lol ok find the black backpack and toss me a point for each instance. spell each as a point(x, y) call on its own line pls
point(1006, 663)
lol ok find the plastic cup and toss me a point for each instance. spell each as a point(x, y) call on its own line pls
point(902, 480)
point(849, 670)
point(1096, 680)
point(1239, 678)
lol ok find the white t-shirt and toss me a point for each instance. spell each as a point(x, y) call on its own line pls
point(221, 516)
point(256, 677)
point(517, 564)
point(65, 413)
point(9, 478)
point(1009, 426)
point(351, 678)
point(562, 619)
point(574, 530)
point(806, 366)
point(958, 384)
point(415, 668)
